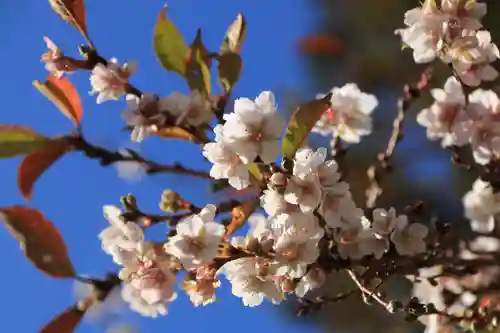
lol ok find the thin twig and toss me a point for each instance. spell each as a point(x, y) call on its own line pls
point(374, 172)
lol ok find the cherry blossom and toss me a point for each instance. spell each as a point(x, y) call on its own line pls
point(446, 119)
point(201, 289)
point(250, 282)
point(109, 81)
point(55, 62)
point(144, 115)
point(274, 203)
point(197, 239)
point(348, 239)
point(481, 205)
point(121, 239)
point(195, 109)
point(349, 116)
point(304, 191)
point(226, 163)
point(315, 278)
point(409, 237)
point(254, 129)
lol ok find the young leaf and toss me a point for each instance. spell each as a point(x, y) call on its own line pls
point(175, 133)
point(17, 140)
point(240, 214)
point(65, 322)
point(170, 47)
point(39, 239)
point(235, 36)
point(303, 120)
point(35, 164)
point(64, 95)
point(229, 68)
point(73, 12)
point(197, 70)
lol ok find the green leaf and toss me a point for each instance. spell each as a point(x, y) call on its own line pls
point(18, 140)
point(197, 70)
point(170, 47)
point(37, 162)
point(229, 69)
point(255, 171)
point(303, 120)
point(39, 239)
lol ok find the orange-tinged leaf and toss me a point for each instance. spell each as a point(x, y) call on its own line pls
point(17, 140)
point(64, 95)
point(39, 239)
point(240, 214)
point(303, 120)
point(197, 70)
point(175, 133)
point(35, 164)
point(65, 322)
point(73, 12)
point(235, 35)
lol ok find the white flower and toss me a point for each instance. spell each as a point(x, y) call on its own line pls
point(150, 288)
point(254, 129)
point(131, 171)
point(197, 240)
point(484, 108)
point(259, 227)
point(468, 13)
point(121, 328)
point(304, 191)
point(481, 206)
point(294, 251)
point(121, 239)
point(109, 81)
point(337, 204)
point(349, 239)
point(314, 279)
point(308, 161)
point(472, 72)
point(144, 115)
point(446, 118)
point(250, 283)
point(227, 164)
point(201, 291)
point(274, 203)
point(409, 238)
point(305, 224)
point(349, 115)
point(55, 62)
point(194, 110)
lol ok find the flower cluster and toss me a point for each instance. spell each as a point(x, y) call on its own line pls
point(252, 131)
point(458, 120)
point(450, 30)
point(349, 114)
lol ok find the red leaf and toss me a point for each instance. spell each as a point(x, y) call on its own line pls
point(73, 12)
point(64, 95)
point(39, 239)
point(35, 164)
point(65, 322)
point(240, 214)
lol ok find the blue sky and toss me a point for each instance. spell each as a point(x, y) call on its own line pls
point(73, 191)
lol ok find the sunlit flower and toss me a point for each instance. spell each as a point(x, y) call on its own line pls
point(109, 81)
point(193, 110)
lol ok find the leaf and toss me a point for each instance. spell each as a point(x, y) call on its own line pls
point(65, 322)
point(240, 214)
point(64, 95)
point(255, 172)
point(17, 140)
point(35, 164)
point(39, 239)
point(175, 133)
point(235, 35)
point(303, 120)
point(197, 70)
point(170, 47)
point(229, 69)
point(73, 12)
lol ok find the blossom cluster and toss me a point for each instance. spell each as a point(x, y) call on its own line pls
point(451, 31)
point(458, 120)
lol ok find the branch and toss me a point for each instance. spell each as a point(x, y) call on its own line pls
point(107, 157)
point(374, 172)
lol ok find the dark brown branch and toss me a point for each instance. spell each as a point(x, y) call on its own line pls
point(107, 157)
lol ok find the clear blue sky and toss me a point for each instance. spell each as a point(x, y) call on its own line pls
point(72, 193)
